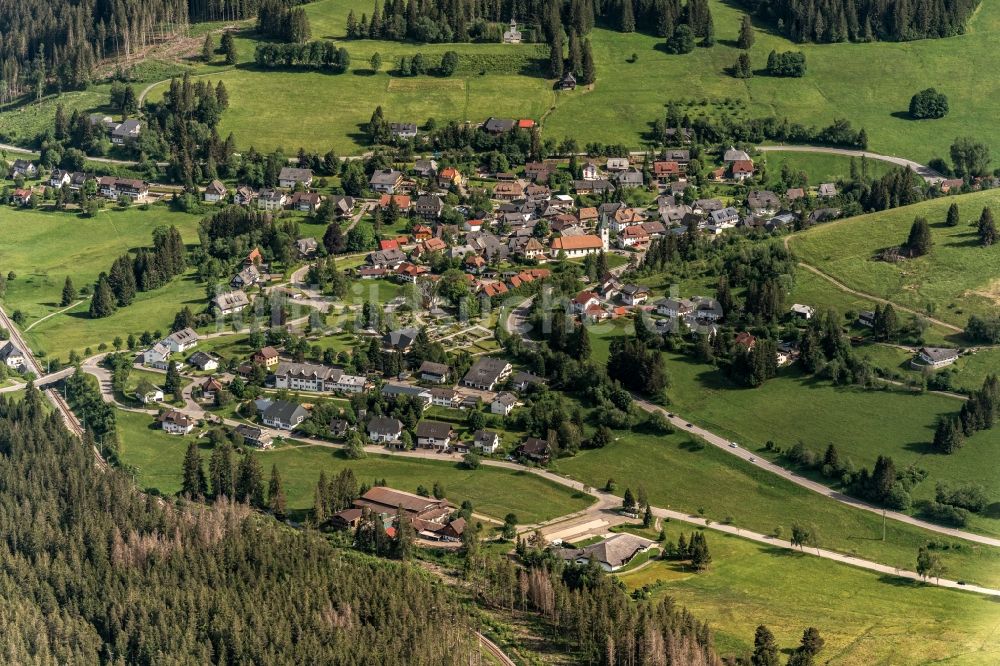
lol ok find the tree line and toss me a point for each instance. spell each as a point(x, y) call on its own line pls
point(217, 585)
point(323, 55)
point(830, 21)
point(149, 269)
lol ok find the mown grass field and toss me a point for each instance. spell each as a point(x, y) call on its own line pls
point(862, 424)
point(687, 476)
point(864, 617)
point(869, 84)
point(43, 248)
point(818, 167)
point(956, 279)
point(157, 458)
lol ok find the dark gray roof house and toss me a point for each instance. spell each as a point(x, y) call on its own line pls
point(401, 339)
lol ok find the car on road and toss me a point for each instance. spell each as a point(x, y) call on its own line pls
point(689, 425)
point(734, 445)
point(752, 459)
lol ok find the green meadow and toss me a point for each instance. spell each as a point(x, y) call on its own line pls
point(864, 617)
point(43, 248)
point(157, 458)
point(869, 84)
point(956, 279)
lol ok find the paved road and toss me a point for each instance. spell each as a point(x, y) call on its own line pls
point(725, 444)
point(515, 324)
point(103, 160)
point(922, 170)
point(605, 502)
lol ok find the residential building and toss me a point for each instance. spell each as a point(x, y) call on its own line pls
point(534, 449)
point(174, 422)
point(403, 131)
point(433, 434)
point(146, 393)
point(215, 191)
point(486, 441)
point(289, 177)
point(498, 125)
point(934, 357)
point(254, 436)
point(503, 404)
point(400, 339)
point(386, 181)
point(443, 397)
point(433, 372)
point(265, 356)
point(230, 302)
point(210, 387)
point(181, 341)
point(305, 202)
point(284, 415)
point(384, 430)
point(23, 168)
point(486, 373)
point(13, 357)
point(157, 355)
point(271, 200)
point(126, 132)
point(763, 202)
point(450, 176)
point(429, 207)
point(634, 294)
point(827, 190)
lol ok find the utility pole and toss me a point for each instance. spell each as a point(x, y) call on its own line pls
point(883, 524)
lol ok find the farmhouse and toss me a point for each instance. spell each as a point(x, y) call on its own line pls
point(423, 512)
point(935, 357)
point(230, 302)
point(612, 554)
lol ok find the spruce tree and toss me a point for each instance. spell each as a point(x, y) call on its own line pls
point(276, 500)
point(746, 38)
point(948, 436)
point(952, 220)
point(220, 470)
point(206, 48)
point(68, 293)
point(765, 648)
point(987, 228)
point(249, 481)
point(708, 39)
point(194, 483)
point(589, 71)
point(919, 242)
point(556, 58)
point(103, 302)
point(229, 48)
point(626, 21)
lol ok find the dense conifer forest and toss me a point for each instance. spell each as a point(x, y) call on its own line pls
point(865, 21)
point(92, 571)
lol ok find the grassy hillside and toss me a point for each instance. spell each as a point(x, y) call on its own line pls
point(869, 84)
point(43, 248)
point(955, 280)
point(865, 618)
